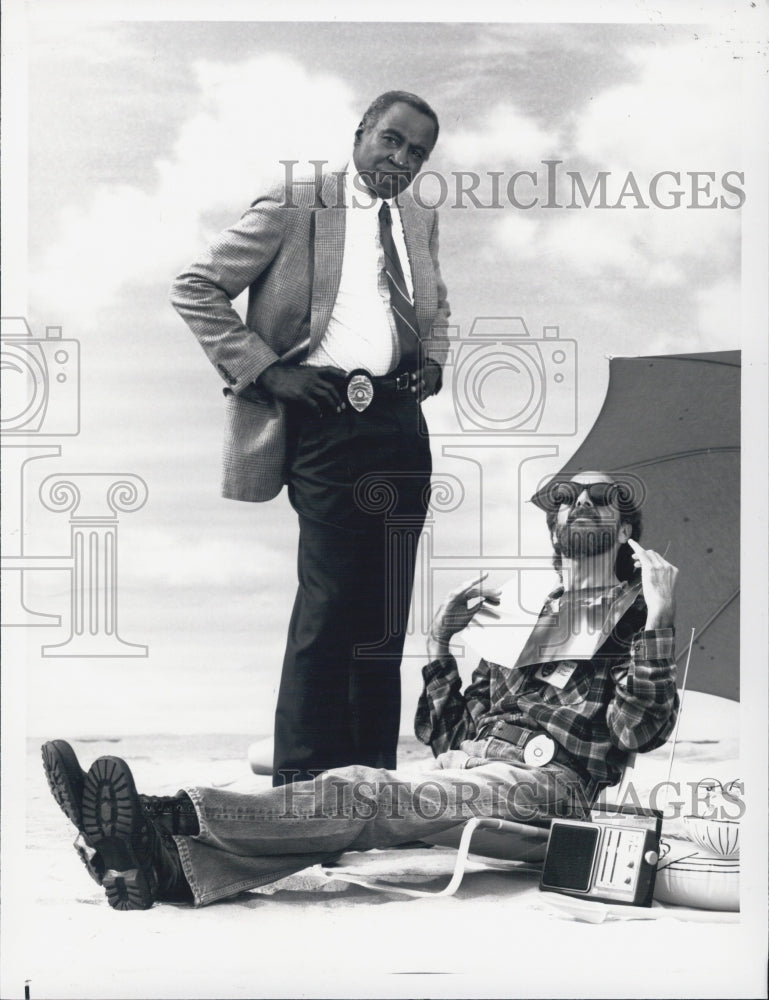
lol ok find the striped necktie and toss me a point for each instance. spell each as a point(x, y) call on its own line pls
point(403, 309)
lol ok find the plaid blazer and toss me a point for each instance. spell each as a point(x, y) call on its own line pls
point(287, 249)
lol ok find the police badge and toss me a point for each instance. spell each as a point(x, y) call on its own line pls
point(360, 391)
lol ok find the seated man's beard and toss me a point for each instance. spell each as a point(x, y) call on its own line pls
point(582, 538)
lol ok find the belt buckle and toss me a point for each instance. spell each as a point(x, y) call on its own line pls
point(360, 391)
point(539, 750)
point(401, 381)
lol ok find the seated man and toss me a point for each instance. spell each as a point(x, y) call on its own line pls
point(594, 683)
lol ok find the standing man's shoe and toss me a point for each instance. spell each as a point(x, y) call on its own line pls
point(141, 864)
point(66, 779)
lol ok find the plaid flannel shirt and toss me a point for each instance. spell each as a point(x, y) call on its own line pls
point(622, 701)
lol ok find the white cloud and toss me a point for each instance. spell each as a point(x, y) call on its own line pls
point(680, 113)
point(252, 115)
point(519, 233)
point(179, 559)
point(719, 315)
point(506, 136)
point(643, 246)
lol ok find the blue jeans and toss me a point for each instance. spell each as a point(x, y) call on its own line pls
point(249, 840)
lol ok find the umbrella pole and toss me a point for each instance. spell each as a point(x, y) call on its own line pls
point(678, 722)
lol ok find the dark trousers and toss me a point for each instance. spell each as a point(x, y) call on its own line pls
point(360, 485)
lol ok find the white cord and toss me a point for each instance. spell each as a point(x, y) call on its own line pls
point(459, 866)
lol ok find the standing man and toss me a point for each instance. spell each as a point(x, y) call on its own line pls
point(343, 339)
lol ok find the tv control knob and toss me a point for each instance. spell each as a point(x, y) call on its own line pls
point(651, 858)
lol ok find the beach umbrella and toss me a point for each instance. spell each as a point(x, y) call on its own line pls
point(671, 423)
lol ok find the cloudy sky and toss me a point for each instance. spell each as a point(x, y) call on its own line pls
point(148, 137)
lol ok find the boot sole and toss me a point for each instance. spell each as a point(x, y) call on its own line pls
point(114, 824)
point(66, 781)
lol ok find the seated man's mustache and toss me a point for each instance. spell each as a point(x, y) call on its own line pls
point(588, 513)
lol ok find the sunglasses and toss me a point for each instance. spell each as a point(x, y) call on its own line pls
point(558, 493)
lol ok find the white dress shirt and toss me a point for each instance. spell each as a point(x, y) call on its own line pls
point(361, 332)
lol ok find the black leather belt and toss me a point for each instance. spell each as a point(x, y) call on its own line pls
point(393, 383)
point(537, 747)
point(362, 387)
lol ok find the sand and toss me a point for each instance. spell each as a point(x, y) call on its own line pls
point(498, 936)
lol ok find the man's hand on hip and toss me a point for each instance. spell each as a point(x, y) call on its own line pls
point(304, 384)
point(428, 382)
point(658, 581)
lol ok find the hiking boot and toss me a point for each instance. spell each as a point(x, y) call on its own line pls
point(141, 862)
point(174, 813)
point(66, 779)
